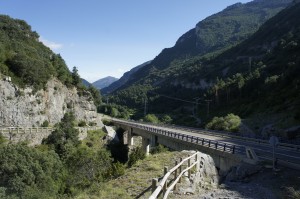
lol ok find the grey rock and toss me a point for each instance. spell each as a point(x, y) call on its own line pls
point(22, 107)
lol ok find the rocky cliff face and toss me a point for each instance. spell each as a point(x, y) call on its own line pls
point(22, 107)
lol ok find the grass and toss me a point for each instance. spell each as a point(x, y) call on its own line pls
point(138, 178)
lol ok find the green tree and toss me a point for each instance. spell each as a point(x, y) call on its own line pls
point(96, 95)
point(230, 122)
point(26, 172)
point(135, 155)
point(75, 76)
point(166, 119)
point(65, 137)
point(151, 118)
point(87, 166)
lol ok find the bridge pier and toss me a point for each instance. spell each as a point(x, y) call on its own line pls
point(130, 137)
point(146, 145)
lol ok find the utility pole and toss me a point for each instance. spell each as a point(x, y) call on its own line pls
point(145, 107)
point(208, 101)
point(250, 64)
point(196, 104)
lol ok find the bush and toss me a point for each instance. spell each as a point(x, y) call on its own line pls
point(81, 123)
point(118, 169)
point(136, 154)
point(151, 118)
point(229, 123)
point(92, 124)
point(2, 139)
point(166, 119)
point(45, 123)
point(64, 137)
point(26, 172)
point(87, 166)
point(107, 122)
point(159, 149)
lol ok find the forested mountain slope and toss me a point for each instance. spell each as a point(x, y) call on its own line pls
point(260, 75)
point(123, 80)
point(36, 85)
point(210, 37)
point(25, 58)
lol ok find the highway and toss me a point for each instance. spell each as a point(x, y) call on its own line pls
point(289, 154)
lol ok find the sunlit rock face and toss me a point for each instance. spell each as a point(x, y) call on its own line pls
point(204, 176)
point(25, 108)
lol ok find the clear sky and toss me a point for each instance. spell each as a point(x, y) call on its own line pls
point(109, 37)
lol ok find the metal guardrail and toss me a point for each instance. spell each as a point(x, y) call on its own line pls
point(37, 129)
point(221, 146)
point(223, 134)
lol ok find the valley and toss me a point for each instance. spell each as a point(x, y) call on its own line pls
point(218, 113)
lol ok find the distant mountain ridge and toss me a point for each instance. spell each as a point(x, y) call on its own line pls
point(85, 82)
point(104, 82)
point(259, 74)
point(211, 36)
point(120, 82)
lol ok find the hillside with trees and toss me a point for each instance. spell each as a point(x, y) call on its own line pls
point(27, 60)
point(258, 76)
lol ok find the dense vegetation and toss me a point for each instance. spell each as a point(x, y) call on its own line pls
point(62, 167)
point(30, 63)
point(210, 37)
point(258, 76)
point(25, 58)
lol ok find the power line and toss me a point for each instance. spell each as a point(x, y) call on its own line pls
point(178, 99)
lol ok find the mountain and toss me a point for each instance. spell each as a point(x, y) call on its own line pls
point(210, 37)
point(27, 60)
point(126, 76)
point(85, 82)
point(36, 85)
point(104, 82)
point(257, 77)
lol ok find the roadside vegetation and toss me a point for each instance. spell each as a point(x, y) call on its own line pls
point(62, 167)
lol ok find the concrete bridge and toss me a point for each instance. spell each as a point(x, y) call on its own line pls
point(226, 150)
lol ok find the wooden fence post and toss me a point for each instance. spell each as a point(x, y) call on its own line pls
point(166, 183)
point(176, 162)
point(189, 171)
point(154, 184)
point(180, 169)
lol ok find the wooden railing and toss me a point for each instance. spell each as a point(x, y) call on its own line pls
point(163, 185)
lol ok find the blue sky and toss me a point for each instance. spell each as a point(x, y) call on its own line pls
point(109, 37)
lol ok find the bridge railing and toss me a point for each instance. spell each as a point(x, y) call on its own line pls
point(217, 145)
point(38, 129)
point(163, 185)
point(223, 134)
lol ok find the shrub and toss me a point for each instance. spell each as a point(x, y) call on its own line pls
point(159, 149)
point(118, 169)
point(151, 118)
point(166, 119)
point(136, 154)
point(81, 123)
point(26, 172)
point(107, 122)
point(92, 124)
point(229, 123)
point(45, 123)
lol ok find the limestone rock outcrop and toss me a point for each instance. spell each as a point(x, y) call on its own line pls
point(23, 107)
